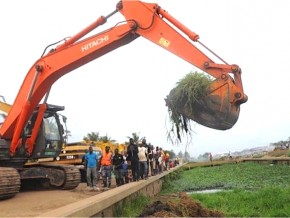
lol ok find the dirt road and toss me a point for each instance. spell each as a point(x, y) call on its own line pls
point(33, 203)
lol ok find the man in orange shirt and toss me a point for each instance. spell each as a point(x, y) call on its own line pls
point(106, 168)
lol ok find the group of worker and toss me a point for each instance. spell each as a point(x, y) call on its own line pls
point(139, 161)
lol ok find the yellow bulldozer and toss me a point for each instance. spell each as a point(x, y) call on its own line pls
point(4, 107)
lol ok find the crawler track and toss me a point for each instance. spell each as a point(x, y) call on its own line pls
point(73, 177)
point(9, 182)
point(51, 176)
point(58, 176)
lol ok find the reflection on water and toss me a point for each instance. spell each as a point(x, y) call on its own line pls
point(206, 191)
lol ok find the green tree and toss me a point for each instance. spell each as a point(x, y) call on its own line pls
point(93, 136)
point(106, 139)
point(171, 153)
point(135, 136)
point(282, 144)
point(203, 157)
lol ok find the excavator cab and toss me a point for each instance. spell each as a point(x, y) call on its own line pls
point(50, 137)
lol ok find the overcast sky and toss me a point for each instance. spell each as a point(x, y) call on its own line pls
point(123, 92)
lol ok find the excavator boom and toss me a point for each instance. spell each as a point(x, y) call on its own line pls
point(220, 108)
point(143, 19)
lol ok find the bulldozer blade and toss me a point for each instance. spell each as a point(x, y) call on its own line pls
point(215, 110)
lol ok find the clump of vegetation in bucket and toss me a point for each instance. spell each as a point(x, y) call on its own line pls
point(187, 92)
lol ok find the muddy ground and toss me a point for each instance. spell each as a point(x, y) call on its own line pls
point(28, 203)
point(177, 205)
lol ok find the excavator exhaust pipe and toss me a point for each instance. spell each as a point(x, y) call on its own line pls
point(216, 110)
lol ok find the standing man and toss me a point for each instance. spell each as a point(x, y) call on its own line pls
point(148, 151)
point(143, 167)
point(210, 158)
point(156, 159)
point(152, 161)
point(118, 161)
point(106, 168)
point(91, 159)
point(132, 152)
point(166, 161)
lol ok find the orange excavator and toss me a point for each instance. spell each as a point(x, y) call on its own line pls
point(32, 128)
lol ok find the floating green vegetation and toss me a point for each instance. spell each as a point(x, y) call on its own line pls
point(257, 190)
point(188, 91)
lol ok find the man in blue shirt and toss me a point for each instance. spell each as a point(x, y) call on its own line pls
point(91, 158)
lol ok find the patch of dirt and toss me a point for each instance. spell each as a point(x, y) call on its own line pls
point(277, 153)
point(178, 206)
point(32, 203)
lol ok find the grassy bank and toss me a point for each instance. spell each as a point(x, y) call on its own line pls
point(247, 176)
point(266, 202)
point(249, 189)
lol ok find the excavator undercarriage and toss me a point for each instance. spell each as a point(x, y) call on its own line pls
point(37, 177)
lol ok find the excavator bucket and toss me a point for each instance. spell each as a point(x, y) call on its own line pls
point(215, 110)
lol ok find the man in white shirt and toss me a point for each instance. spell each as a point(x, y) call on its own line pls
point(142, 154)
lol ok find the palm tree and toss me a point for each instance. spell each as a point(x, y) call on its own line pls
point(106, 139)
point(93, 136)
point(135, 136)
point(67, 134)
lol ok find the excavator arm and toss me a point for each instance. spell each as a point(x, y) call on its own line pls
point(142, 19)
point(220, 108)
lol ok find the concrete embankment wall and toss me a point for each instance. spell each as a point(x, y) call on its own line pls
point(108, 203)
